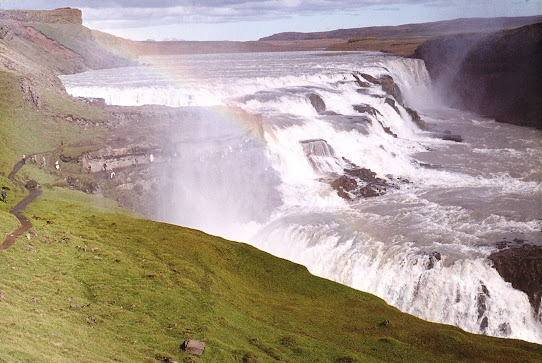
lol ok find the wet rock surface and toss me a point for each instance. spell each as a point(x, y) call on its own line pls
point(520, 264)
point(363, 108)
point(360, 183)
point(317, 102)
point(496, 75)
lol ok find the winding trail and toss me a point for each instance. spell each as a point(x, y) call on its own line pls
point(25, 223)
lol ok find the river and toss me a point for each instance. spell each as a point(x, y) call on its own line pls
point(291, 179)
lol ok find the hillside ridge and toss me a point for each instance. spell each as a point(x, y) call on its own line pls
point(460, 25)
point(57, 16)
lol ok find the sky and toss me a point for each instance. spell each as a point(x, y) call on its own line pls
point(253, 19)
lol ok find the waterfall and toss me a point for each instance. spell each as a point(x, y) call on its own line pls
point(342, 178)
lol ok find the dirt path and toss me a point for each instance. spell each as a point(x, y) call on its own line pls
point(25, 223)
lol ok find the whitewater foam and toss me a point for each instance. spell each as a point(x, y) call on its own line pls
point(423, 246)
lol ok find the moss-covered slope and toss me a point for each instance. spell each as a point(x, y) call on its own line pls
point(95, 284)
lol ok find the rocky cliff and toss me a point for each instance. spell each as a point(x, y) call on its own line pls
point(38, 42)
point(521, 265)
point(496, 74)
point(57, 16)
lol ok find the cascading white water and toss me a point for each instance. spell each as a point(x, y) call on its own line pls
point(422, 246)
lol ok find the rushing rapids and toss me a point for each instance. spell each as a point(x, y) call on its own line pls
point(336, 172)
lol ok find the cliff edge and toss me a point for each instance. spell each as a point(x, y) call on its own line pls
point(57, 16)
point(496, 75)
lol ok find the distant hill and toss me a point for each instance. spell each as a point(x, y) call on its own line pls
point(425, 30)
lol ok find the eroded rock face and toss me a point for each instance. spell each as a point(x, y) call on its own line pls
point(57, 16)
point(6, 32)
point(496, 75)
point(388, 85)
point(522, 267)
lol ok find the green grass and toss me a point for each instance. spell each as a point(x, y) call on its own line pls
point(26, 130)
point(147, 286)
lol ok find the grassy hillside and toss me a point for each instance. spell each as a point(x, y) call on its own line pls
point(95, 284)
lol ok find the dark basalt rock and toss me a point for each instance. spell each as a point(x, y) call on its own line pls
point(388, 85)
point(363, 108)
point(391, 102)
point(360, 183)
point(496, 75)
point(416, 118)
point(360, 82)
point(317, 102)
point(433, 258)
point(387, 130)
point(390, 88)
point(367, 77)
point(522, 267)
point(455, 138)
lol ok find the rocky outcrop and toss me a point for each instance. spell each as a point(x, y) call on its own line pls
point(386, 82)
point(6, 32)
point(35, 35)
point(317, 102)
point(359, 183)
point(363, 108)
point(521, 265)
point(57, 16)
point(496, 75)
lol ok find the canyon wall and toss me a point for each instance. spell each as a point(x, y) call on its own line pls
point(57, 16)
point(496, 75)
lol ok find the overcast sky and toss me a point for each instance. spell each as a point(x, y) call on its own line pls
point(253, 19)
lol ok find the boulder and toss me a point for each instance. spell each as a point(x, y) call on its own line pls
point(450, 137)
point(359, 183)
point(433, 259)
point(196, 347)
point(317, 102)
point(522, 267)
point(363, 108)
point(31, 184)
